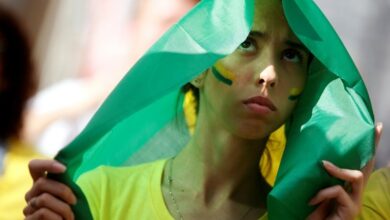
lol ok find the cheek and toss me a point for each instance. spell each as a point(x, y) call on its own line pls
point(215, 92)
point(223, 74)
point(232, 70)
point(290, 92)
point(244, 77)
point(293, 86)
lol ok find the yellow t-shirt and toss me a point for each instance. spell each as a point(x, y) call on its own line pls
point(376, 199)
point(15, 180)
point(126, 192)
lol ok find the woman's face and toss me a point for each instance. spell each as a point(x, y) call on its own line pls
point(253, 91)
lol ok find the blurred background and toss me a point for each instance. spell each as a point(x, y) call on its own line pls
point(83, 48)
point(364, 28)
point(78, 51)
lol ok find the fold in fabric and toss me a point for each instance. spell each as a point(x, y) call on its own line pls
point(333, 120)
point(141, 109)
point(142, 120)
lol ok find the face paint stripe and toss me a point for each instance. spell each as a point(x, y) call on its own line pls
point(223, 74)
point(220, 77)
point(295, 93)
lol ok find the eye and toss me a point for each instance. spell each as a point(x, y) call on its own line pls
point(247, 46)
point(292, 55)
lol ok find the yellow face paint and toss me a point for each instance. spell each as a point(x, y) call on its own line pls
point(222, 74)
point(189, 108)
point(294, 94)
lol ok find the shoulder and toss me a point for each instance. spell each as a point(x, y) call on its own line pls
point(121, 192)
point(379, 181)
point(22, 149)
point(383, 173)
point(15, 179)
point(376, 200)
point(17, 156)
point(119, 175)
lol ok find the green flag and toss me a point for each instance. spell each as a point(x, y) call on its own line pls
point(333, 120)
point(146, 108)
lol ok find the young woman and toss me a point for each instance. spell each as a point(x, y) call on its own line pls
point(243, 98)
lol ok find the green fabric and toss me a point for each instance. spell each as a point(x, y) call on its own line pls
point(333, 120)
point(142, 119)
point(142, 108)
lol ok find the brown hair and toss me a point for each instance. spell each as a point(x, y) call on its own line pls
point(18, 81)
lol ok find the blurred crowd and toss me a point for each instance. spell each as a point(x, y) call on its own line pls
point(79, 50)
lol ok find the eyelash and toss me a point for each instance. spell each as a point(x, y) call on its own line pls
point(251, 42)
point(296, 53)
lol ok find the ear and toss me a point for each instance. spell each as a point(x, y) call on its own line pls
point(199, 80)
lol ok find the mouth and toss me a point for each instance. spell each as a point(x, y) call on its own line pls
point(260, 105)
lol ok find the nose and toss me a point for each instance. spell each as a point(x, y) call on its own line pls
point(268, 77)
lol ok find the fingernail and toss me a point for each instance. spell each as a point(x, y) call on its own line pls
point(58, 166)
point(379, 125)
point(328, 164)
point(74, 200)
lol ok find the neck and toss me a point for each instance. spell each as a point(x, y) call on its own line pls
point(217, 166)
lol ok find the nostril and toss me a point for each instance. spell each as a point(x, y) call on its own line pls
point(272, 84)
point(261, 81)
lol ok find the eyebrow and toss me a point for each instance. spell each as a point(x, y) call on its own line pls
point(257, 34)
point(291, 43)
point(297, 45)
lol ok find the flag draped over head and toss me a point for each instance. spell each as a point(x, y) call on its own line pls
point(333, 119)
point(142, 120)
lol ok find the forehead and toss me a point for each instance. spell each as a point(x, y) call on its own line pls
point(269, 19)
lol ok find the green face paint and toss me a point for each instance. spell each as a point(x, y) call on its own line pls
point(222, 74)
point(295, 93)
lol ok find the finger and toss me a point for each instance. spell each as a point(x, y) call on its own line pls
point(367, 170)
point(335, 192)
point(38, 168)
point(320, 212)
point(354, 177)
point(369, 167)
point(50, 202)
point(378, 133)
point(44, 214)
point(29, 209)
point(343, 202)
point(57, 189)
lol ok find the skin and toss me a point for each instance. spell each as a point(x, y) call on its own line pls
point(229, 138)
point(48, 199)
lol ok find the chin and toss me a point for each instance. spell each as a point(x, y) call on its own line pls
point(255, 133)
point(255, 130)
point(254, 136)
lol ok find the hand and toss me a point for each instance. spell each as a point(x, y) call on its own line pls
point(335, 203)
point(48, 199)
point(367, 170)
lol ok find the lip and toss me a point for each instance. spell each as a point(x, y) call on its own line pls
point(260, 104)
